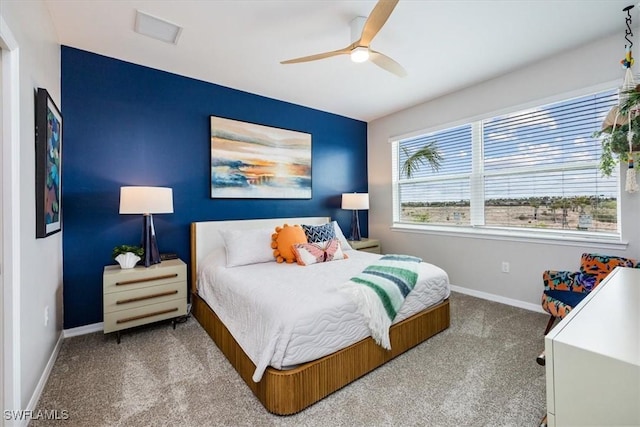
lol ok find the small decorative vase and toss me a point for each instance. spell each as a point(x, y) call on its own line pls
point(127, 260)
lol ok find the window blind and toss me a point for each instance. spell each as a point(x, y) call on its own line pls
point(545, 160)
point(454, 146)
point(555, 134)
point(442, 196)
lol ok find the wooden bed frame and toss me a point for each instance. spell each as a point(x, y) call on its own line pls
point(285, 392)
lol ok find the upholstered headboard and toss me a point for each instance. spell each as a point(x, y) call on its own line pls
point(205, 235)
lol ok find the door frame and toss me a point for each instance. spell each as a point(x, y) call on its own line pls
point(10, 205)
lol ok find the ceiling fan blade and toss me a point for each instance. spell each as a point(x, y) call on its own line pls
point(376, 20)
point(317, 56)
point(386, 63)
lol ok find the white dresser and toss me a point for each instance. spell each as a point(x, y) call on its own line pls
point(593, 357)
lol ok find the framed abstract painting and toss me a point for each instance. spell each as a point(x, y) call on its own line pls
point(48, 165)
point(252, 161)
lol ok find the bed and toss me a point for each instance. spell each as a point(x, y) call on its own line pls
point(306, 351)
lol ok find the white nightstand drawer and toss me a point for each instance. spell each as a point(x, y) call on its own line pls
point(373, 250)
point(134, 298)
point(116, 279)
point(366, 245)
point(142, 315)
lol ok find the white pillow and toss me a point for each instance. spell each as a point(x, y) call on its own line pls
point(248, 246)
point(216, 258)
point(340, 236)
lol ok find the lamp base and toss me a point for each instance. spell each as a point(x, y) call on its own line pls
point(355, 227)
point(149, 243)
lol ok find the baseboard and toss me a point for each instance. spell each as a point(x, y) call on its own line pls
point(83, 330)
point(498, 298)
point(31, 406)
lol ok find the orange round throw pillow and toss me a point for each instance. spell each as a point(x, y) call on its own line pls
point(283, 240)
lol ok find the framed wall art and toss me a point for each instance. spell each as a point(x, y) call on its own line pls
point(48, 165)
point(252, 161)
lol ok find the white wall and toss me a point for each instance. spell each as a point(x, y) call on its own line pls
point(40, 282)
point(475, 263)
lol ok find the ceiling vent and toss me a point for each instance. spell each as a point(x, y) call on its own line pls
point(157, 28)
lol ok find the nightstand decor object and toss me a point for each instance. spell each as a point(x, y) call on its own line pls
point(147, 201)
point(355, 202)
point(128, 260)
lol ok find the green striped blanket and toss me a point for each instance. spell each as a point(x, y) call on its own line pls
point(380, 290)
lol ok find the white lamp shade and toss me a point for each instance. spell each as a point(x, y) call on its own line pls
point(355, 201)
point(146, 200)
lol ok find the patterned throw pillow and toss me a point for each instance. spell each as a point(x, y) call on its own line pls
point(319, 233)
point(313, 253)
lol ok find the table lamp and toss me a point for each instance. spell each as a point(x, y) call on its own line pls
point(355, 202)
point(147, 201)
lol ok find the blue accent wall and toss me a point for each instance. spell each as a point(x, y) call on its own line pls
point(126, 124)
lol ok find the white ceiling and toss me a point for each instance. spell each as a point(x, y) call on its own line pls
point(443, 45)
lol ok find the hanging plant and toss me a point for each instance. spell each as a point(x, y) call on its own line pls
point(615, 140)
point(631, 100)
point(620, 134)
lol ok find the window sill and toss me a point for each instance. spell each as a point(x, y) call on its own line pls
point(553, 238)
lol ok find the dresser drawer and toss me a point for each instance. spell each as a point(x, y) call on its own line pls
point(125, 300)
point(124, 319)
point(116, 279)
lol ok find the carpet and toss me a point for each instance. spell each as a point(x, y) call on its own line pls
point(479, 372)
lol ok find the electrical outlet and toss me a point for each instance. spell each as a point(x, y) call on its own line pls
point(46, 316)
point(505, 267)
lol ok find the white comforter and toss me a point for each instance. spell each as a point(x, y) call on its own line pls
point(286, 314)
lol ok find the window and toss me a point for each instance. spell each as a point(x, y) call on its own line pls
point(535, 170)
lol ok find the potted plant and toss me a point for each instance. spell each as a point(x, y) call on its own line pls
point(127, 255)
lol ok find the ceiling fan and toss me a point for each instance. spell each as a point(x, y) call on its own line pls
point(362, 35)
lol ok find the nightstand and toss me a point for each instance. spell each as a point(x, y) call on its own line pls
point(138, 296)
point(366, 245)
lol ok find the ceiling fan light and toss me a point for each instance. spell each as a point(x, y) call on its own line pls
point(360, 54)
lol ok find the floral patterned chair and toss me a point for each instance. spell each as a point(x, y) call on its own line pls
point(563, 290)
